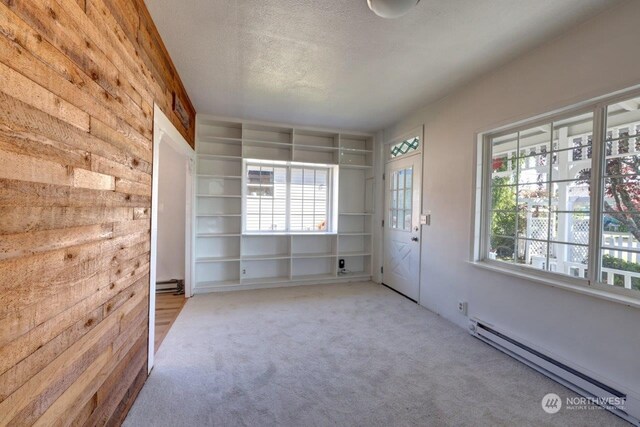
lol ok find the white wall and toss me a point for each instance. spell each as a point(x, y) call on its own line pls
point(593, 59)
point(171, 214)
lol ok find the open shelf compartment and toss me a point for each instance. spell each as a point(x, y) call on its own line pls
point(265, 271)
point(266, 246)
point(214, 274)
point(218, 186)
point(313, 269)
point(210, 130)
point(217, 247)
point(310, 246)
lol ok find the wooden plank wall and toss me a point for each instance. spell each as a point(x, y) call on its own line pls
point(78, 80)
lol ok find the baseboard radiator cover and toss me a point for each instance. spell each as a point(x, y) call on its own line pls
point(591, 388)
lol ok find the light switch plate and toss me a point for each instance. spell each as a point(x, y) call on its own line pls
point(423, 220)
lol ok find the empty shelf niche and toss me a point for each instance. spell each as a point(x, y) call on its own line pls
point(266, 151)
point(314, 268)
point(265, 271)
point(213, 274)
point(217, 247)
point(356, 150)
point(264, 247)
point(354, 224)
point(316, 147)
point(214, 225)
point(216, 129)
point(355, 244)
point(310, 246)
point(207, 206)
point(352, 198)
point(220, 147)
point(267, 142)
point(219, 166)
point(218, 186)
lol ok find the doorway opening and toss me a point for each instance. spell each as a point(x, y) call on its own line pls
point(171, 229)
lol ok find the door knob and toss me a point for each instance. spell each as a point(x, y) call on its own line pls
point(414, 239)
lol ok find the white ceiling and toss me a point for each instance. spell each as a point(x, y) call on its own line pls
point(333, 63)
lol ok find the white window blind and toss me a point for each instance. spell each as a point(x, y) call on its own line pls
point(266, 198)
point(309, 199)
point(287, 198)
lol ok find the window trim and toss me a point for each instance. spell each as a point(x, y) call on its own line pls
point(592, 285)
point(332, 194)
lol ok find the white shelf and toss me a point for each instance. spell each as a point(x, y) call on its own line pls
point(356, 213)
point(293, 233)
point(272, 143)
point(356, 150)
point(320, 255)
point(219, 156)
point(304, 147)
point(223, 144)
point(218, 176)
point(216, 284)
point(313, 277)
point(265, 280)
point(264, 257)
point(214, 139)
point(217, 259)
point(218, 196)
point(355, 275)
point(352, 166)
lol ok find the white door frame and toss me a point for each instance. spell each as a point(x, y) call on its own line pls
point(164, 132)
point(386, 158)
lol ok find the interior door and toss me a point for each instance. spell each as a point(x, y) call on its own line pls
point(403, 189)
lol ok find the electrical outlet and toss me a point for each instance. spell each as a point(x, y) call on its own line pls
point(341, 263)
point(462, 307)
point(244, 271)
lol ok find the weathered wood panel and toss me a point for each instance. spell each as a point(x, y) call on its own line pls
point(78, 80)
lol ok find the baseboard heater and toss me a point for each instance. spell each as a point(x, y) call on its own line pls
point(617, 402)
point(176, 286)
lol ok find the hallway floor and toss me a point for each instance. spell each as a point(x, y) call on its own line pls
point(168, 306)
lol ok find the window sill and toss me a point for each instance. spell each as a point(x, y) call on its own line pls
point(291, 233)
point(595, 291)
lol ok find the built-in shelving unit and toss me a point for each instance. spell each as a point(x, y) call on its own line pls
point(227, 259)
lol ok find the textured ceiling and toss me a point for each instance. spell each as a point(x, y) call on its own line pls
point(333, 63)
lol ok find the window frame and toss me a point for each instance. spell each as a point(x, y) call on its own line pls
point(482, 218)
point(332, 193)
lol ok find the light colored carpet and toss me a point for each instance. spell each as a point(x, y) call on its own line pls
point(336, 355)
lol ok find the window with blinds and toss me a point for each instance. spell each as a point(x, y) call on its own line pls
point(266, 198)
point(286, 198)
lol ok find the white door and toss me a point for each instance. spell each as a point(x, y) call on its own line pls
point(401, 267)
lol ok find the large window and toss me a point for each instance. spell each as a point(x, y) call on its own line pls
point(562, 196)
point(283, 197)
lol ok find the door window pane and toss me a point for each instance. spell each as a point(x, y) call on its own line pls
point(401, 212)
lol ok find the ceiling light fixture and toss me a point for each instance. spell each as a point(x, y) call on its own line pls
point(391, 8)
